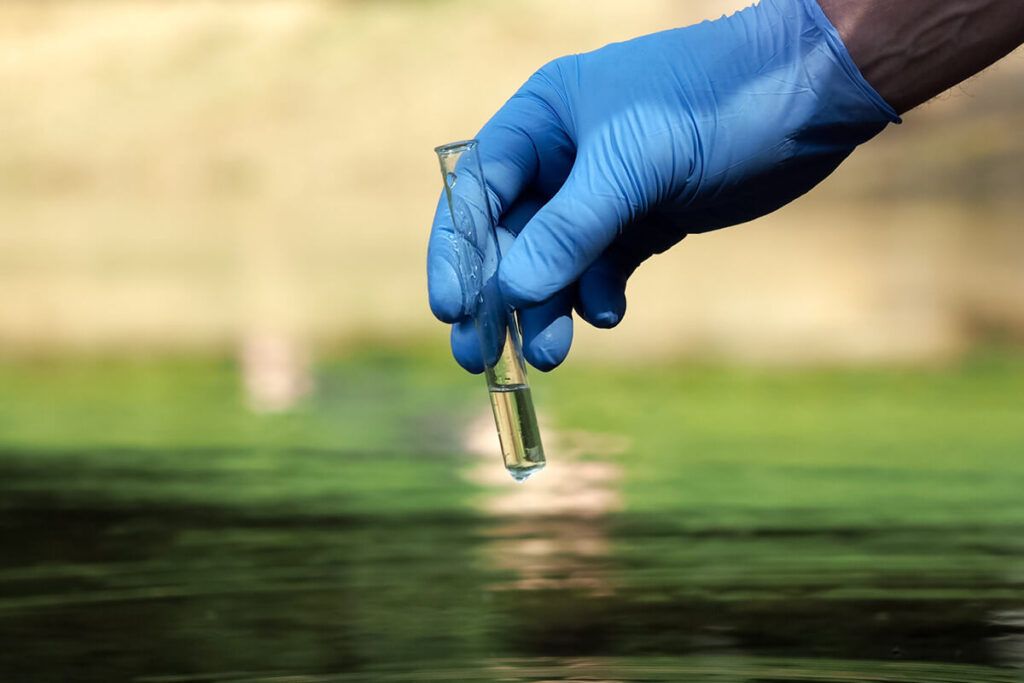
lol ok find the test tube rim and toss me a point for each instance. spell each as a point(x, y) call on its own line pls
point(454, 147)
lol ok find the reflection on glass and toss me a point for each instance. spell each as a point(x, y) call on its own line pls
point(478, 258)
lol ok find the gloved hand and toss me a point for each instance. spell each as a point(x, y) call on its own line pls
point(605, 158)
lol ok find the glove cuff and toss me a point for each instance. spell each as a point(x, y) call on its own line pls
point(842, 56)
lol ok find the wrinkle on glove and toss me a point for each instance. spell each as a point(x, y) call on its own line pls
point(640, 143)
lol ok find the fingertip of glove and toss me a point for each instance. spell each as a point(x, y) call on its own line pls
point(547, 350)
point(444, 292)
point(602, 299)
point(472, 367)
point(604, 319)
point(466, 348)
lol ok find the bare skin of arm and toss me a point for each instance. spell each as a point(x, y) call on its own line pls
point(912, 50)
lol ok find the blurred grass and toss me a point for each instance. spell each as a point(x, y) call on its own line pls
point(743, 447)
point(179, 432)
point(712, 446)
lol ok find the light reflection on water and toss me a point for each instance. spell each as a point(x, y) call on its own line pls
point(536, 584)
point(648, 670)
point(551, 534)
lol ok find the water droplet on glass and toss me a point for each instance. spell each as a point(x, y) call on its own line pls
point(450, 178)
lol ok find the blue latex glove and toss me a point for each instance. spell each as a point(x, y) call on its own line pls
point(605, 158)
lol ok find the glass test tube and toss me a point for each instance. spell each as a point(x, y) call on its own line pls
point(479, 254)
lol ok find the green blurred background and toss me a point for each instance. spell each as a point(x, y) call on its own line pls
point(233, 445)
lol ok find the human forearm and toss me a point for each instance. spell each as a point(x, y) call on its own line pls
point(912, 50)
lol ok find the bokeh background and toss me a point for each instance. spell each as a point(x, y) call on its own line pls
point(182, 175)
point(233, 445)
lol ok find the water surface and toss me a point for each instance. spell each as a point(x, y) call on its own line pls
point(174, 537)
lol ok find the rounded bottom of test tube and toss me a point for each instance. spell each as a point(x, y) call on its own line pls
point(521, 474)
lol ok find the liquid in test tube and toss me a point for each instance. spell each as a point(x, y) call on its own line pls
point(479, 256)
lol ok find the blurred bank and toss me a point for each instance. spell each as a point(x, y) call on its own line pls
point(209, 175)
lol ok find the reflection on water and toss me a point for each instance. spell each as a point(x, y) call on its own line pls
point(534, 584)
point(552, 533)
point(1009, 648)
point(714, 669)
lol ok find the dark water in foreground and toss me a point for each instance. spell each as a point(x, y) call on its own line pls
point(111, 592)
point(746, 527)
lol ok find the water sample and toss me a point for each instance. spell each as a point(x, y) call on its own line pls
point(478, 256)
point(517, 430)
